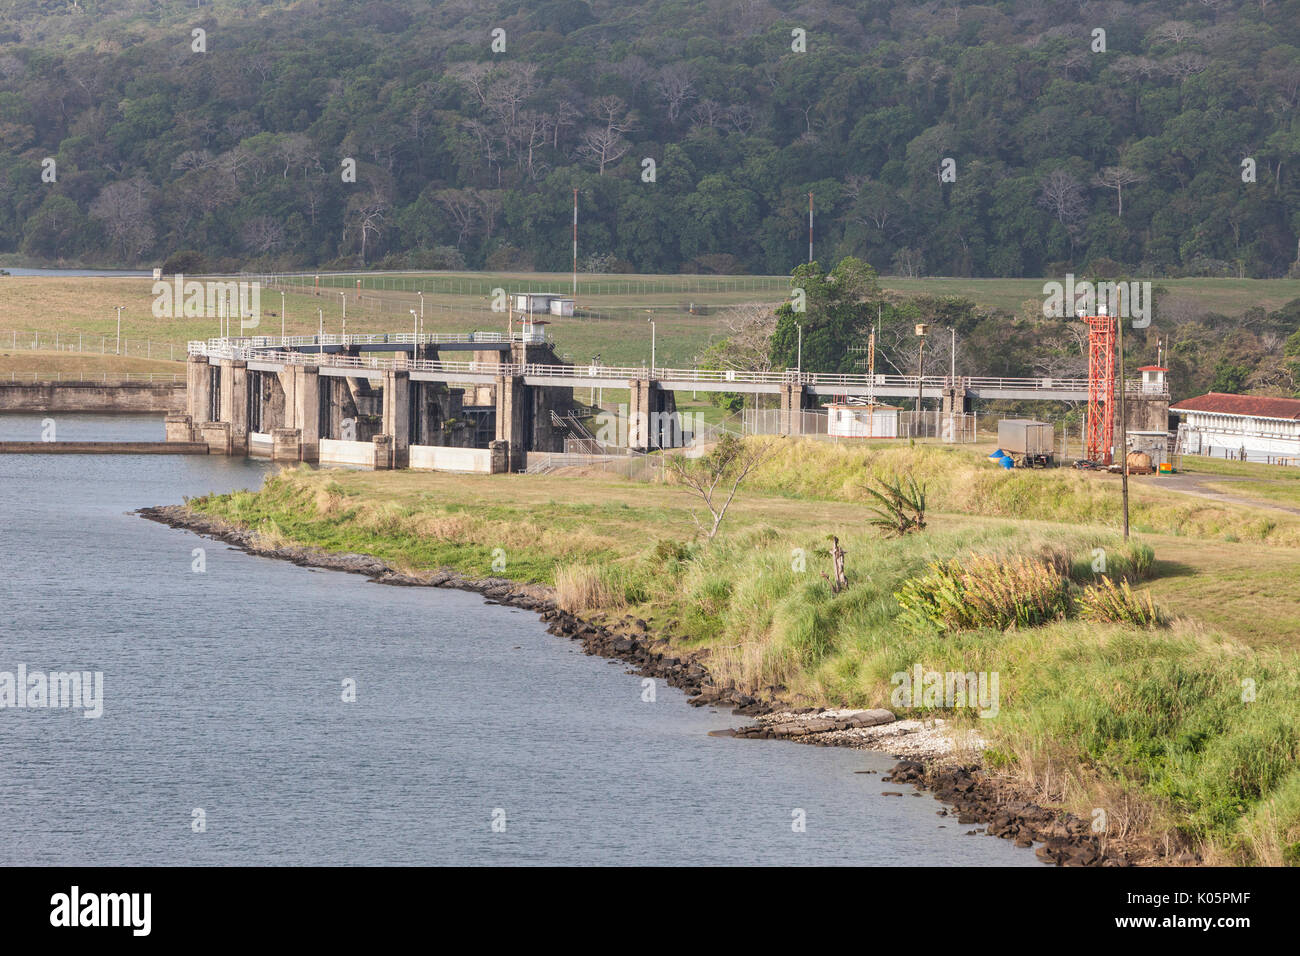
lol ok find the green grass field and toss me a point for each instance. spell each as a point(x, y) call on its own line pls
point(615, 309)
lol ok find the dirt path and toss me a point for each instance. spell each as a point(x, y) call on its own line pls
point(1198, 486)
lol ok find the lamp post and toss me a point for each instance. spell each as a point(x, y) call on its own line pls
point(652, 348)
point(344, 297)
point(118, 347)
point(799, 354)
point(921, 331)
point(281, 315)
point(1123, 423)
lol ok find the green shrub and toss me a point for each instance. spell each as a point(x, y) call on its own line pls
point(1109, 603)
point(987, 592)
point(902, 506)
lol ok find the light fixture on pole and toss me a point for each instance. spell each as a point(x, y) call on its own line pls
point(652, 343)
point(281, 315)
point(1123, 425)
point(118, 347)
point(799, 353)
point(922, 330)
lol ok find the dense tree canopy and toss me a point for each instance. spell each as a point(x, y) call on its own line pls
point(991, 138)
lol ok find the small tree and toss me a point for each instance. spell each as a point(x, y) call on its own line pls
point(714, 478)
point(902, 506)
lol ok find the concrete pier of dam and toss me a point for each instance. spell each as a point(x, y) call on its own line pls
point(325, 402)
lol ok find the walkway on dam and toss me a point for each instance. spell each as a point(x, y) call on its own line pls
point(334, 355)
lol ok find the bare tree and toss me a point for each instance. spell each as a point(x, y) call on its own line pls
point(613, 113)
point(747, 342)
point(604, 146)
point(463, 207)
point(909, 263)
point(529, 133)
point(262, 235)
point(563, 116)
point(710, 113)
point(1174, 31)
point(490, 203)
point(123, 208)
point(714, 478)
point(366, 215)
point(1062, 196)
point(741, 117)
point(676, 88)
point(1116, 178)
point(1184, 65)
point(635, 71)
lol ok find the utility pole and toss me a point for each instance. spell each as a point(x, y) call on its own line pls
point(1123, 425)
point(921, 331)
point(652, 347)
point(281, 315)
point(118, 347)
point(799, 358)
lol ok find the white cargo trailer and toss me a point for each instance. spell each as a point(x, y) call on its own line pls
point(1030, 444)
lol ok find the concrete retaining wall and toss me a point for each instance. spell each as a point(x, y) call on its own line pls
point(92, 397)
point(336, 452)
point(442, 458)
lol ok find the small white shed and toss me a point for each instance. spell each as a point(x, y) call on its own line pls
point(845, 420)
point(533, 302)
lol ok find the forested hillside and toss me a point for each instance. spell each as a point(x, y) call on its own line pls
point(1136, 157)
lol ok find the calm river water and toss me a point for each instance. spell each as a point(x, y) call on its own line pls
point(223, 693)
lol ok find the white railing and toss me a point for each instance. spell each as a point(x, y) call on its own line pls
point(272, 350)
point(106, 378)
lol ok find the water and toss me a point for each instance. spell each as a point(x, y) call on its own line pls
point(223, 691)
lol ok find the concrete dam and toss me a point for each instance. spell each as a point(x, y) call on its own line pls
point(477, 403)
point(482, 401)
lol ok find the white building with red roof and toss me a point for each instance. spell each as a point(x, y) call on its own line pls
point(1256, 427)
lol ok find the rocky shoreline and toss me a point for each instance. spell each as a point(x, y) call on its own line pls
point(974, 797)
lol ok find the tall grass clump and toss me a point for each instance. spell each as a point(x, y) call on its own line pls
point(1111, 603)
point(986, 592)
point(582, 587)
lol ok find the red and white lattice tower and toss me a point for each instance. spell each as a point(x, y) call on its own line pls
point(1101, 387)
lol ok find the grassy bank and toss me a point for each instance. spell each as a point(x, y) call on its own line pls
point(1151, 725)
